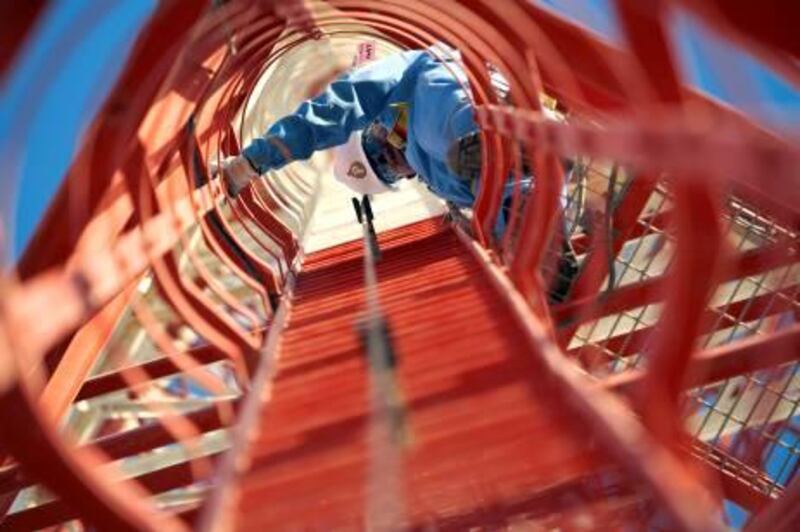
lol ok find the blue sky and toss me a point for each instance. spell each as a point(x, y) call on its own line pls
point(70, 90)
point(73, 88)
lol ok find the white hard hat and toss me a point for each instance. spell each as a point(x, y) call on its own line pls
point(351, 167)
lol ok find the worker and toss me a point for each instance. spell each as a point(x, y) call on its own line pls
point(392, 118)
point(402, 116)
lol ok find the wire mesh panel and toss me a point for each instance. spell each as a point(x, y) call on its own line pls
point(744, 425)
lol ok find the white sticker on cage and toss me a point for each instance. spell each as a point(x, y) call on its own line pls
point(365, 52)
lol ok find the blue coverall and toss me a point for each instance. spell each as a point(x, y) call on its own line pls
point(439, 112)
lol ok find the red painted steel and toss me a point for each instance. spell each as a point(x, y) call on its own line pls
point(155, 369)
point(724, 362)
point(53, 513)
point(468, 401)
point(82, 353)
point(502, 424)
point(127, 443)
point(634, 295)
point(18, 21)
point(305, 441)
point(729, 315)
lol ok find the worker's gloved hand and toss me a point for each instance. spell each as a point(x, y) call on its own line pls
point(464, 157)
point(236, 172)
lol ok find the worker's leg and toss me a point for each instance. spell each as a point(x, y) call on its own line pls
point(464, 157)
point(560, 263)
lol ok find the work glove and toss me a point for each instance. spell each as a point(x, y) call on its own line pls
point(236, 173)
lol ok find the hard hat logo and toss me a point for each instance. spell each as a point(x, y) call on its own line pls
point(352, 168)
point(357, 170)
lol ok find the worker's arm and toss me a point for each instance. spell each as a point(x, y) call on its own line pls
point(350, 103)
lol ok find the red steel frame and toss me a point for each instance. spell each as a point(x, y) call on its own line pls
point(138, 185)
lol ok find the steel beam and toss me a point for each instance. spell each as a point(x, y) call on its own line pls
point(715, 319)
point(730, 360)
point(131, 442)
point(744, 485)
point(57, 512)
point(17, 22)
point(732, 157)
point(642, 293)
point(45, 457)
point(155, 369)
point(81, 355)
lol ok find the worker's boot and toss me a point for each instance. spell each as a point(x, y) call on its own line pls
point(464, 157)
point(565, 275)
